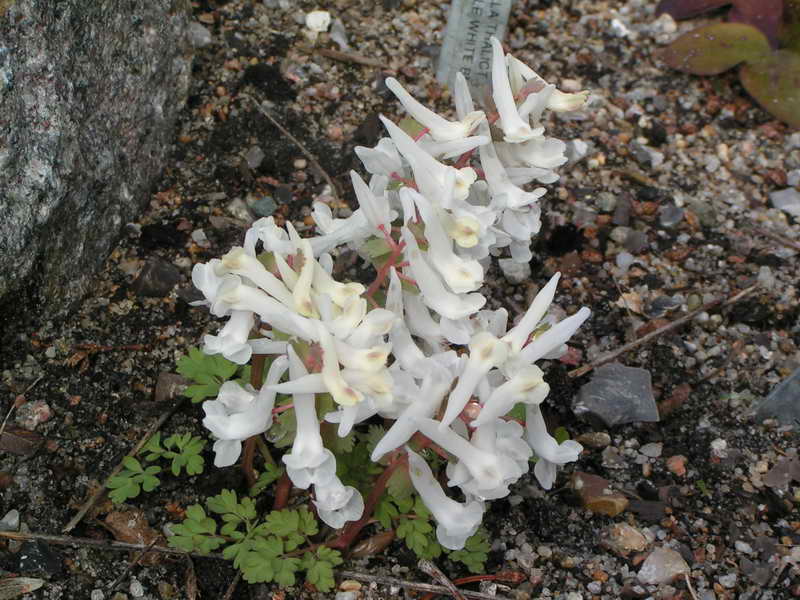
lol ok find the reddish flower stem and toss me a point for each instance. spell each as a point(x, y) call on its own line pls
point(282, 492)
point(279, 409)
point(512, 577)
point(421, 134)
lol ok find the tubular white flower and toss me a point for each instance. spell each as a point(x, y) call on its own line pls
point(484, 467)
point(540, 152)
point(429, 174)
point(340, 293)
point(440, 128)
point(461, 275)
point(455, 522)
point(434, 294)
point(238, 413)
point(518, 335)
point(434, 387)
point(453, 148)
point(377, 323)
point(272, 237)
point(554, 337)
point(485, 353)
point(383, 159)
point(527, 386)
point(301, 290)
point(342, 393)
point(514, 128)
point(235, 295)
point(377, 210)
point(232, 339)
point(550, 452)
point(462, 96)
point(309, 462)
point(206, 278)
point(239, 262)
point(337, 504)
point(504, 193)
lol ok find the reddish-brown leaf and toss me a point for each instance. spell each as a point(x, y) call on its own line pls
point(775, 82)
point(688, 9)
point(764, 15)
point(20, 441)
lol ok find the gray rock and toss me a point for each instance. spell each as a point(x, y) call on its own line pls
point(157, 278)
point(199, 35)
point(264, 206)
point(10, 522)
point(618, 394)
point(783, 403)
point(670, 215)
point(662, 566)
point(254, 157)
point(89, 94)
point(636, 241)
point(787, 200)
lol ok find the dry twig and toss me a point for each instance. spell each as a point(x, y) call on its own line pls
point(311, 158)
point(352, 58)
point(413, 585)
point(130, 566)
point(660, 331)
point(232, 587)
point(102, 489)
point(777, 237)
point(431, 569)
point(66, 540)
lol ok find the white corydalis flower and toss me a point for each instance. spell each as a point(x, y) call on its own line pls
point(239, 262)
point(503, 192)
point(337, 504)
point(434, 294)
point(430, 175)
point(485, 353)
point(309, 462)
point(551, 454)
point(461, 275)
point(232, 339)
point(440, 128)
point(515, 129)
point(343, 394)
point(377, 210)
point(235, 295)
point(455, 522)
point(238, 413)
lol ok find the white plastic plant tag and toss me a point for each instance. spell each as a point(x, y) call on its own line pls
point(466, 47)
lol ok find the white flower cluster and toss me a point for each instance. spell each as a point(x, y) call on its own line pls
point(430, 228)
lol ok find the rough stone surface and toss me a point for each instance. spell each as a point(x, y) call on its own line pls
point(618, 394)
point(89, 93)
point(662, 566)
point(782, 403)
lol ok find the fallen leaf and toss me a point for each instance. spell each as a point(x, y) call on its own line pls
point(713, 49)
point(13, 587)
point(774, 81)
point(20, 441)
point(131, 526)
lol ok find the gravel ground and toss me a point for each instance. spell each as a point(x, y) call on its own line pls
point(668, 209)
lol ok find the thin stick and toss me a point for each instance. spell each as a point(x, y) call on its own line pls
point(661, 330)
point(98, 493)
point(777, 237)
point(311, 158)
point(689, 584)
point(431, 569)
point(66, 540)
point(413, 585)
point(352, 58)
point(232, 587)
point(130, 566)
